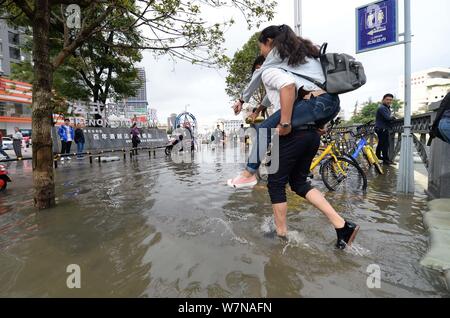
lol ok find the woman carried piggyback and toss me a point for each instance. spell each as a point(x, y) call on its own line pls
point(297, 102)
point(302, 106)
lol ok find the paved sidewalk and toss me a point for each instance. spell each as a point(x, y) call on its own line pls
point(437, 219)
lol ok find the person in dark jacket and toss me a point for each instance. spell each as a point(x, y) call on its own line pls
point(66, 134)
point(382, 126)
point(441, 125)
point(79, 140)
point(135, 137)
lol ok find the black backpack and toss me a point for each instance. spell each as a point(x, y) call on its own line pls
point(342, 72)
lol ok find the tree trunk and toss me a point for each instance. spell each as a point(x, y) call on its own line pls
point(43, 178)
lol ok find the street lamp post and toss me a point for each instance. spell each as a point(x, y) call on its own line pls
point(298, 17)
point(405, 182)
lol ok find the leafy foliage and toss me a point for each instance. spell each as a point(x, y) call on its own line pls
point(369, 109)
point(240, 67)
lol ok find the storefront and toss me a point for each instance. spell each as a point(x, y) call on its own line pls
point(15, 106)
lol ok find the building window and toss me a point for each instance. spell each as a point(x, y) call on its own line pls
point(14, 53)
point(2, 109)
point(13, 38)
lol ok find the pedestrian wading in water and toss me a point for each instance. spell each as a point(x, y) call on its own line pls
point(301, 107)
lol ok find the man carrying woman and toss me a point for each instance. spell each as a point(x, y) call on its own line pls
point(300, 106)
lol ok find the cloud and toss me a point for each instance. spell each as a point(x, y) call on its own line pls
point(172, 86)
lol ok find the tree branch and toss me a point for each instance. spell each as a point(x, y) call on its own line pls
point(84, 34)
point(23, 5)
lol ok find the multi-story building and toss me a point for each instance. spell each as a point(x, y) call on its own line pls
point(15, 106)
point(10, 39)
point(427, 87)
point(230, 125)
point(171, 120)
point(138, 105)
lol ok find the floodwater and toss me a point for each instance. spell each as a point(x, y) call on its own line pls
point(156, 228)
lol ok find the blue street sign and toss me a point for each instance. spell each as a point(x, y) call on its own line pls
point(376, 25)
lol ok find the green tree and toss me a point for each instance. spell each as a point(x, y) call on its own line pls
point(369, 109)
point(96, 70)
point(240, 70)
point(171, 27)
point(397, 104)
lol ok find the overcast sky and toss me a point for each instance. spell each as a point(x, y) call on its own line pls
point(171, 86)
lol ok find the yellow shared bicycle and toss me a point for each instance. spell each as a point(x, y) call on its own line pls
point(338, 171)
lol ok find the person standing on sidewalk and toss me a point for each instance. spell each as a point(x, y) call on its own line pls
point(67, 134)
point(383, 125)
point(135, 137)
point(79, 140)
point(2, 152)
point(17, 142)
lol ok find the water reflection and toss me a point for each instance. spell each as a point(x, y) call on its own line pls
point(156, 228)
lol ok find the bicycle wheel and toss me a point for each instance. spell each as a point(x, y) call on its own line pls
point(343, 174)
point(375, 161)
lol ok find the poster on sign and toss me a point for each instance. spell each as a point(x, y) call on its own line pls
point(376, 25)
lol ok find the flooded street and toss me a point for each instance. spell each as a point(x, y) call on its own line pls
point(155, 228)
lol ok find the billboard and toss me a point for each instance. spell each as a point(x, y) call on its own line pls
point(376, 25)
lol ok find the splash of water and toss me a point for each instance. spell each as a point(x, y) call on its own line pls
point(268, 225)
point(295, 239)
point(229, 230)
point(357, 250)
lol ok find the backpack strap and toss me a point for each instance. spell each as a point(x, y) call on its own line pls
point(322, 52)
point(323, 48)
point(312, 80)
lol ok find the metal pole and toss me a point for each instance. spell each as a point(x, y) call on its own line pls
point(405, 182)
point(298, 17)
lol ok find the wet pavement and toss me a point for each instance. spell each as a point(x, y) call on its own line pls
point(156, 228)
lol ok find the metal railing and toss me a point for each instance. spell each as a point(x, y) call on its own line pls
point(131, 152)
point(421, 125)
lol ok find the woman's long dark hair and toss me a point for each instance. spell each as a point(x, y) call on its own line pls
point(290, 46)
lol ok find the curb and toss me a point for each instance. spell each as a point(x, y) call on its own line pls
point(437, 220)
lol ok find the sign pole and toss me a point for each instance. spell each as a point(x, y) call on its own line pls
point(405, 182)
point(298, 17)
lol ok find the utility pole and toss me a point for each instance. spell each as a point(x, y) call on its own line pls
point(298, 23)
point(405, 182)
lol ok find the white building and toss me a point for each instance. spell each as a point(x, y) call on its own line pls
point(230, 125)
point(342, 114)
point(138, 105)
point(427, 87)
point(171, 120)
